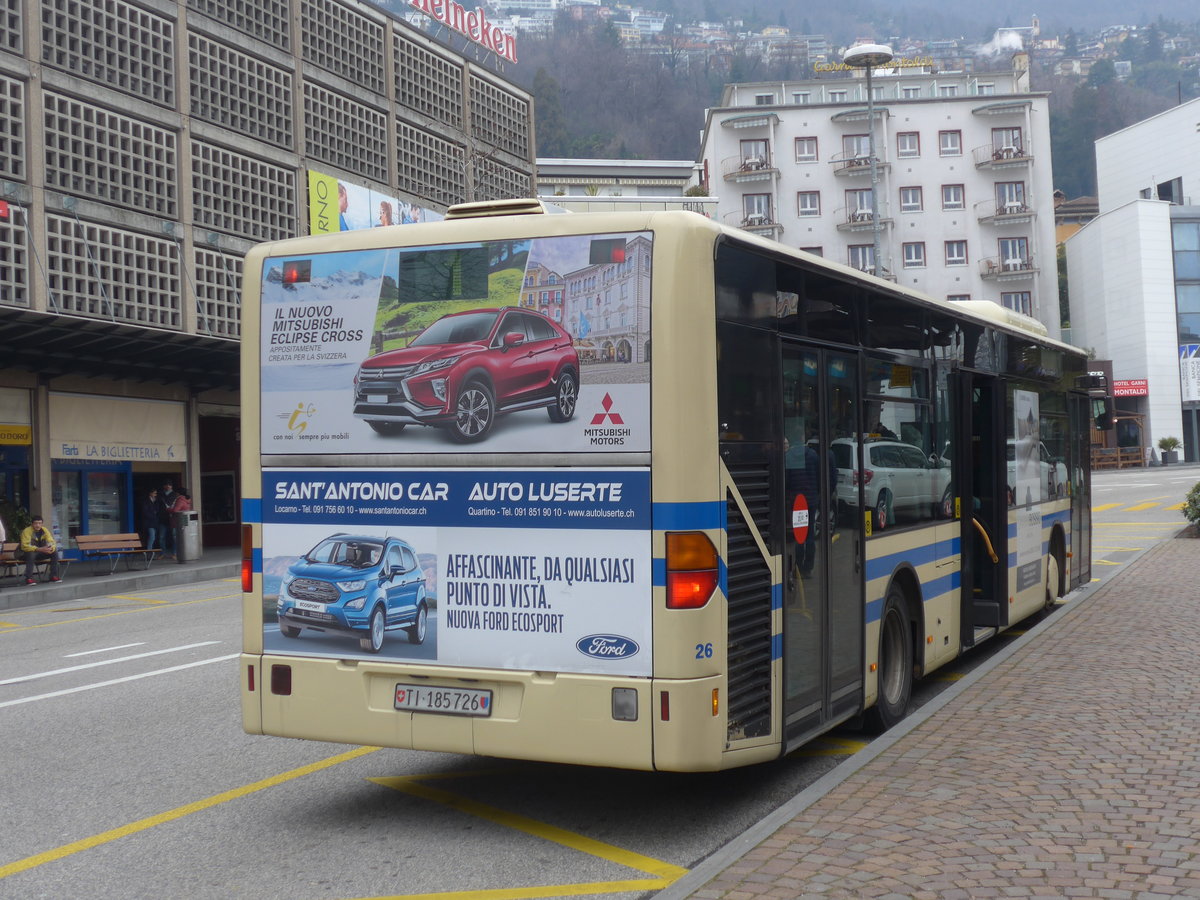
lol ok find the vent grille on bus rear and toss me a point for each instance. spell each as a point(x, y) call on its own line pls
point(749, 581)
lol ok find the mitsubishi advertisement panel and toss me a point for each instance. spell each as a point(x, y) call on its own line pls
point(502, 346)
point(546, 569)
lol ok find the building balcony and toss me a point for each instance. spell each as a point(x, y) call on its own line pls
point(991, 157)
point(739, 169)
point(1019, 268)
point(988, 212)
point(851, 218)
point(849, 165)
point(756, 223)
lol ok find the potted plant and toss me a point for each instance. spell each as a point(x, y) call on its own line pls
point(1169, 447)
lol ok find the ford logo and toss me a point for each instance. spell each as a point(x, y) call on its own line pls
point(607, 646)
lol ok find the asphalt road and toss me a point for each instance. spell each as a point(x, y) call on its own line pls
point(127, 775)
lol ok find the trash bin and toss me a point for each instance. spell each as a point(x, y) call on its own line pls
point(187, 536)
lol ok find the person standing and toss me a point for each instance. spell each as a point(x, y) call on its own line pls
point(166, 499)
point(38, 545)
point(149, 511)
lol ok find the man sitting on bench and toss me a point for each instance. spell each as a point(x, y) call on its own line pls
point(37, 543)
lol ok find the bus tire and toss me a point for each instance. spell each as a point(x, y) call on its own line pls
point(895, 665)
point(387, 429)
point(474, 413)
point(416, 634)
point(1052, 579)
point(373, 642)
point(566, 395)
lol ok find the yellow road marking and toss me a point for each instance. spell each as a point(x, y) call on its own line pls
point(138, 599)
point(830, 746)
point(122, 612)
point(1103, 506)
point(666, 872)
point(1142, 506)
point(105, 837)
point(9, 625)
point(531, 893)
point(1104, 562)
point(1136, 525)
point(1111, 549)
point(949, 676)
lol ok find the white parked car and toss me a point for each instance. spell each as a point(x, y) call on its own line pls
point(896, 477)
point(1052, 473)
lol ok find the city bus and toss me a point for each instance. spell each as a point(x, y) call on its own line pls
point(632, 489)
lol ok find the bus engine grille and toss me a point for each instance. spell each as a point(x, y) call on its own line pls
point(749, 585)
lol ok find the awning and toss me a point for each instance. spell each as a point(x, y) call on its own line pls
point(751, 120)
point(52, 344)
point(1007, 107)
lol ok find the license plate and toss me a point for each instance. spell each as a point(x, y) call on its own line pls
point(449, 701)
point(377, 398)
point(310, 605)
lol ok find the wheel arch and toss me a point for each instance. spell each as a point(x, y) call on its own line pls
point(905, 579)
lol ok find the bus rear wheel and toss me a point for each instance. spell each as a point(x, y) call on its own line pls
point(895, 665)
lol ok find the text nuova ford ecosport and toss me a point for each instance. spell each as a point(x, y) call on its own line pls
point(467, 368)
point(359, 586)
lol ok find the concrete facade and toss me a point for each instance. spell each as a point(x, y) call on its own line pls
point(965, 196)
point(1134, 272)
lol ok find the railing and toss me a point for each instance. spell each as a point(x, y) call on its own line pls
point(989, 211)
point(995, 266)
point(853, 218)
point(855, 164)
point(1008, 154)
point(739, 166)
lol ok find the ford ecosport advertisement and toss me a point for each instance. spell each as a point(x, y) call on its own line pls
point(503, 346)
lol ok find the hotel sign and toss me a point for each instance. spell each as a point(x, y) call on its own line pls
point(470, 23)
point(917, 62)
point(1134, 387)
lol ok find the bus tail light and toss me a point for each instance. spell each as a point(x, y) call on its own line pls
point(692, 573)
point(250, 678)
point(247, 559)
point(281, 680)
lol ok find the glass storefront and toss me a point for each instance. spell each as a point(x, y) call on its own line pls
point(90, 500)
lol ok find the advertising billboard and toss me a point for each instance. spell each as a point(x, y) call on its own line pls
point(335, 205)
point(514, 346)
point(546, 569)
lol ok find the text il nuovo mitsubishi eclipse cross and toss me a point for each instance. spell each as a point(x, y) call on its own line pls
point(467, 368)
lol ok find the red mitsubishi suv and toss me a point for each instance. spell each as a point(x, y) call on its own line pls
point(467, 368)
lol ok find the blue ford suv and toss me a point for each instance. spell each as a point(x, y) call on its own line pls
point(360, 586)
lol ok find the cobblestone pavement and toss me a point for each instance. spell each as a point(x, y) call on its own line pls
point(1069, 769)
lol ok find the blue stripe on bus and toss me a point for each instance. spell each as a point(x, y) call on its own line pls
point(688, 516)
point(930, 590)
point(251, 511)
point(883, 566)
point(256, 560)
point(776, 647)
point(658, 572)
point(776, 597)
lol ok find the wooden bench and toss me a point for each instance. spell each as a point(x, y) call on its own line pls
point(12, 562)
point(112, 548)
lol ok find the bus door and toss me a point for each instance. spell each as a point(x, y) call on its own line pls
point(822, 579)
point(983, 498)
point(1080, 480)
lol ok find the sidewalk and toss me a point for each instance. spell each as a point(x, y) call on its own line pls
point(1068, 765)
point(79, 582)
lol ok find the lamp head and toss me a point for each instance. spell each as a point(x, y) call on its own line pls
point(862, 56)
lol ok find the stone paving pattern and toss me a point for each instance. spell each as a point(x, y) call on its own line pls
point(1072, 769)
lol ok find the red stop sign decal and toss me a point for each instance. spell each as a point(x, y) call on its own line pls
point(800, 518)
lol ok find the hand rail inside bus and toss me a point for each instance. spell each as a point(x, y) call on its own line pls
point(987, 541)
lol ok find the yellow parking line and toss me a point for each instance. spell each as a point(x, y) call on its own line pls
point(1103, 506)
point(138, 599)
point(830, 746)
point(105, 837)
point(1142, 506)
point(1104, 562)
point(665, 872)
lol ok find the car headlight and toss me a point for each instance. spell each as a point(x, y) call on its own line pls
point(285, 583)
point(347, 586)
point(433, 365)
point(357, 604)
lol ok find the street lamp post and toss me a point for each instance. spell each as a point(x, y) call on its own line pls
point(868, 56)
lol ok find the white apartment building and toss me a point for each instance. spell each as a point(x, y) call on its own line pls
point(965, 196)
point(1134, 273)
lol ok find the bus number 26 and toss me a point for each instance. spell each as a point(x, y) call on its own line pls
point(704, 651)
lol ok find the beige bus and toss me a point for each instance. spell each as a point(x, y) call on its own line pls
point(631, 489)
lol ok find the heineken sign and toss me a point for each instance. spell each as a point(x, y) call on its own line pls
point(470, 23)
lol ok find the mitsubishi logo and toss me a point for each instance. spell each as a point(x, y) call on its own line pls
point(614, 418)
